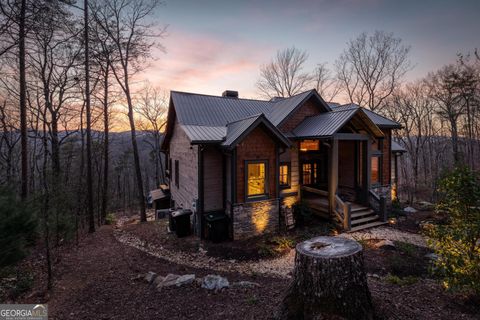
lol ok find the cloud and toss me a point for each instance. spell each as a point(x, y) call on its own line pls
point(195, 62)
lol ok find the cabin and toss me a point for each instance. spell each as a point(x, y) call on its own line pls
point(254, 159)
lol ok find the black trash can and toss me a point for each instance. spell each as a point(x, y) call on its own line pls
point(171, 221)
point(217, 226)
point(181, 221)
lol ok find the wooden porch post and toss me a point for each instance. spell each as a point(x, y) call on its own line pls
point(333, 175)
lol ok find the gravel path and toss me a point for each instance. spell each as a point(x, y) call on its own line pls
point(280, 268)
point(381, 233)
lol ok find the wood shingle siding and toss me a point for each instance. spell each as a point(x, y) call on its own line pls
point(187, 156)
point(306, 110)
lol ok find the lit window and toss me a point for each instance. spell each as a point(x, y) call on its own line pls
point(284, 174)
point(256, 178)
point(307, 173)
point(375, 172)
point(309, 145)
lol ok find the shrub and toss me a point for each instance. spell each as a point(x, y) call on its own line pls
point(409, 280)
point(17, 229)
point(110, 219)
point(457, 242)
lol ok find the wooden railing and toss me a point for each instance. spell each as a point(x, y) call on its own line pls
point(343, 212)
point(313, 190)
point(378, 204)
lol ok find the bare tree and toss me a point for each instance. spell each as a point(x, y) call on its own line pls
point(371, 67)
point(284, 75)
point(125, 23)
point(152, 107)
point(325, 84)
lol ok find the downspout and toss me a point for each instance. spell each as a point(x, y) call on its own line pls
point(233, 182)
point(200, 204)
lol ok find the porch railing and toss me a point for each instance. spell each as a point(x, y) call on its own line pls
point(378, 204)
point(343, 212)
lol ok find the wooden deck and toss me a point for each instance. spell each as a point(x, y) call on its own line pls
point(361, 217)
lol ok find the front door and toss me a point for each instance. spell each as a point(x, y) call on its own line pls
point(314, 172)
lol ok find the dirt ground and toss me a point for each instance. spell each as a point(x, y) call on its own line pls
point(99, 280)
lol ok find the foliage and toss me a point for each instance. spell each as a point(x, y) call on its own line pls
point(457, 242)
point(110, 219)
point(406, 248)
point(17, 229)
point(393, 279)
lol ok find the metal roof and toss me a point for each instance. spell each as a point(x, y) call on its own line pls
point(238, 129)
point(325, 124)
point(205, 133)
point(378, 119)
point(396, 148)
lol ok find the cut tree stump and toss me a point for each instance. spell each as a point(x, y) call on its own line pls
point(329, 282)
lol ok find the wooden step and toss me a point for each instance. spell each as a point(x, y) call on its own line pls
point(359, 214)
point(366, 219)
point(368, 225)
point(356, 208)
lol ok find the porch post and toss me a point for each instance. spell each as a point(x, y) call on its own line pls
point(333, 175)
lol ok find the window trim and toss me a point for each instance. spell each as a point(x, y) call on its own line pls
point(256, 197)
point(289, 174)
point(177, 174)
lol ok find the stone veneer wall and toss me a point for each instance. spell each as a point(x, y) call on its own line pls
point(255, 218)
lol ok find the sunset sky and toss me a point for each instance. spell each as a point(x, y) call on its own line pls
point(217, 45)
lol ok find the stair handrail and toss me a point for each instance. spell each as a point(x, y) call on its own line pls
point(381, 202)
point(343, 211)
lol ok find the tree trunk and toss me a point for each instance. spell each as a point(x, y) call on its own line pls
point(23, 98)
point(106, 123)
point(91, 217)
point(329, 282)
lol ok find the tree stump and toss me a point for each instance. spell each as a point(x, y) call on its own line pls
point(329, 282)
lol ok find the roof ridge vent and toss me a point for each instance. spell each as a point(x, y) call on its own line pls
point(230, 94)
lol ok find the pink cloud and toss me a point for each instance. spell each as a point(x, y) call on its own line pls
point(206, 64)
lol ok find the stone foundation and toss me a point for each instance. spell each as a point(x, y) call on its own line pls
point(255, 218)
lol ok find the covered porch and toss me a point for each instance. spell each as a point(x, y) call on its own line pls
point(335, 170)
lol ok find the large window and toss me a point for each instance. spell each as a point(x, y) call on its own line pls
point(307, 173)
point(177, 173)
point(284, 174)
point(256, 178)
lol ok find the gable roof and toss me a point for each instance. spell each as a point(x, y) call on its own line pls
point(237, 130)
point(329, 123)
point(379, 120)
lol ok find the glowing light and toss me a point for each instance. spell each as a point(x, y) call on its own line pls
point(394, 192)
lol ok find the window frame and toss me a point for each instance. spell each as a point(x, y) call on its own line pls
point(289, 174)
point(177, 173)
point(256, 197)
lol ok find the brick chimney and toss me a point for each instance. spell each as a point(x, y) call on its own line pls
point(230, 94)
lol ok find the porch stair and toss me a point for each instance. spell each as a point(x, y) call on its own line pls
point(363, 217)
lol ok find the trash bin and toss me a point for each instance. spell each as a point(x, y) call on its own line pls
point(171, 222)
point(181, 221)
point(217, 226)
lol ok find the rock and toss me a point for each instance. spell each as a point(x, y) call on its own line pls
point(410, 210)
point(431, 256)
point(158, 280)
point(168, 281)
point(185, 279)
point(245, 284)
point(150, 276)
point(214, 282)
point(385, 244)
point(426, 206)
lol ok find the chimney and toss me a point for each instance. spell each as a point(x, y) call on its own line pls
point(230, 94)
